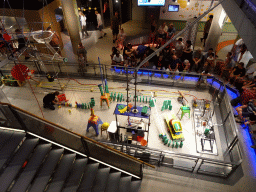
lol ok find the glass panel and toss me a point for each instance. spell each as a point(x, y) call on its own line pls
point(179, 162)
point(7, 119)
point(216, 169)
point(52, 132)
point(235, 153)
point(110, 157)
point(230, 129)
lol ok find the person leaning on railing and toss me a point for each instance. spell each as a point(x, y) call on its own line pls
point(118, 59)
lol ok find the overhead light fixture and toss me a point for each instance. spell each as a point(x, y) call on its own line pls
point(188, 2)
point(60, 7)
point(116, 1)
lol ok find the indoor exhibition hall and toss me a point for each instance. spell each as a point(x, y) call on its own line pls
point(127, 95)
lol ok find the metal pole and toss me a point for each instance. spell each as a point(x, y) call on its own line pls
point(177, 35)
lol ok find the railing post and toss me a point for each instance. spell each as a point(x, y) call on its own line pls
point(86, 148)
point(18, 118)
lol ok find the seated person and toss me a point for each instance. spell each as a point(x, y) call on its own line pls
point(160, 63)
point(162, 32)
point(171, 30)
point(187, 53)
point(114, 50)
point(21, 43)
point(211, 60)
point(128, 51)
point(141, 50)
point(186, 69)
point(197, 58)
point(179, 47)
point(174, 63)
point(50, 99)
point(246, 110)
point(226, 67)
point(238, 71)
point(118, 59)
point(203, 77)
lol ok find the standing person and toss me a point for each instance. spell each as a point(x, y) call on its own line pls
point(50, 99)
point(55, 40)
point(207, 28)
point(115, 26)
point(100, 25)
point(188, 53)
point(171, 30)
point(82, 58)
point(152, 23)
point(121, 39)
point(82, 19)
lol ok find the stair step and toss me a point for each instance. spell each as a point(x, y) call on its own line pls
point(88, 177)
point(16, 163)
point(61, 173)
point(113, 182)
point(125, 184)
point(31, 168)
point(45, 173)
point(74, 179)
point(10, 146)
point(135, 186)
point(100, 182)
point(4, 137)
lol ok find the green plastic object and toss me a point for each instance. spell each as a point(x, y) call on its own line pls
point(169, 143)
point(169, 102)
point(177, 144)
point(206, 131)
point(85, 106)
point(143, 99)
point(181, 144)
point(151, 103)
point(166, 104)
point(101, 90)
point(162, 108)
point(161, 135)
point(137, 98)
point(170, 107)
point(173, 143)
point(111, 95)
point(177, 127)
point(144, 110)
point(92, 103)
point(82, 105)
point(121, 107)
point(121, 97)
point(140, 98)
point(146, 99)
point(106, 86)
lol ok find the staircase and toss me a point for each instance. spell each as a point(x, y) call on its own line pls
point(28, 163)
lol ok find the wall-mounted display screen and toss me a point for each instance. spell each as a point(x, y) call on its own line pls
point(173, 8)
point(151, 2)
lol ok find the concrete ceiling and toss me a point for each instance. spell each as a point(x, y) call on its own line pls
point(27, 4)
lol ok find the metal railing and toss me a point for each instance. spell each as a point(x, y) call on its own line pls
point(16, 118)
point(220, 96)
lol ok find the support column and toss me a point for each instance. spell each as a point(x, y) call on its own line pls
point(71, 19)
point(111, 9)
point(215, 30)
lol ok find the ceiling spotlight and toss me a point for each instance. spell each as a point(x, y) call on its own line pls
point(188, 2)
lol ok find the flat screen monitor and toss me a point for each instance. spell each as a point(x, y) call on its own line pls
point(173, 8)
point(151, 2)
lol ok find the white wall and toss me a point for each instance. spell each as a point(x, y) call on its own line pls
point(195, 8)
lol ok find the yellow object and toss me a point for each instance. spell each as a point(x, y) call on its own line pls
point(59, 106)
point(123, 110)
point(105, 126)
point(69, 111)
point(172, 132)
point(91, 90)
